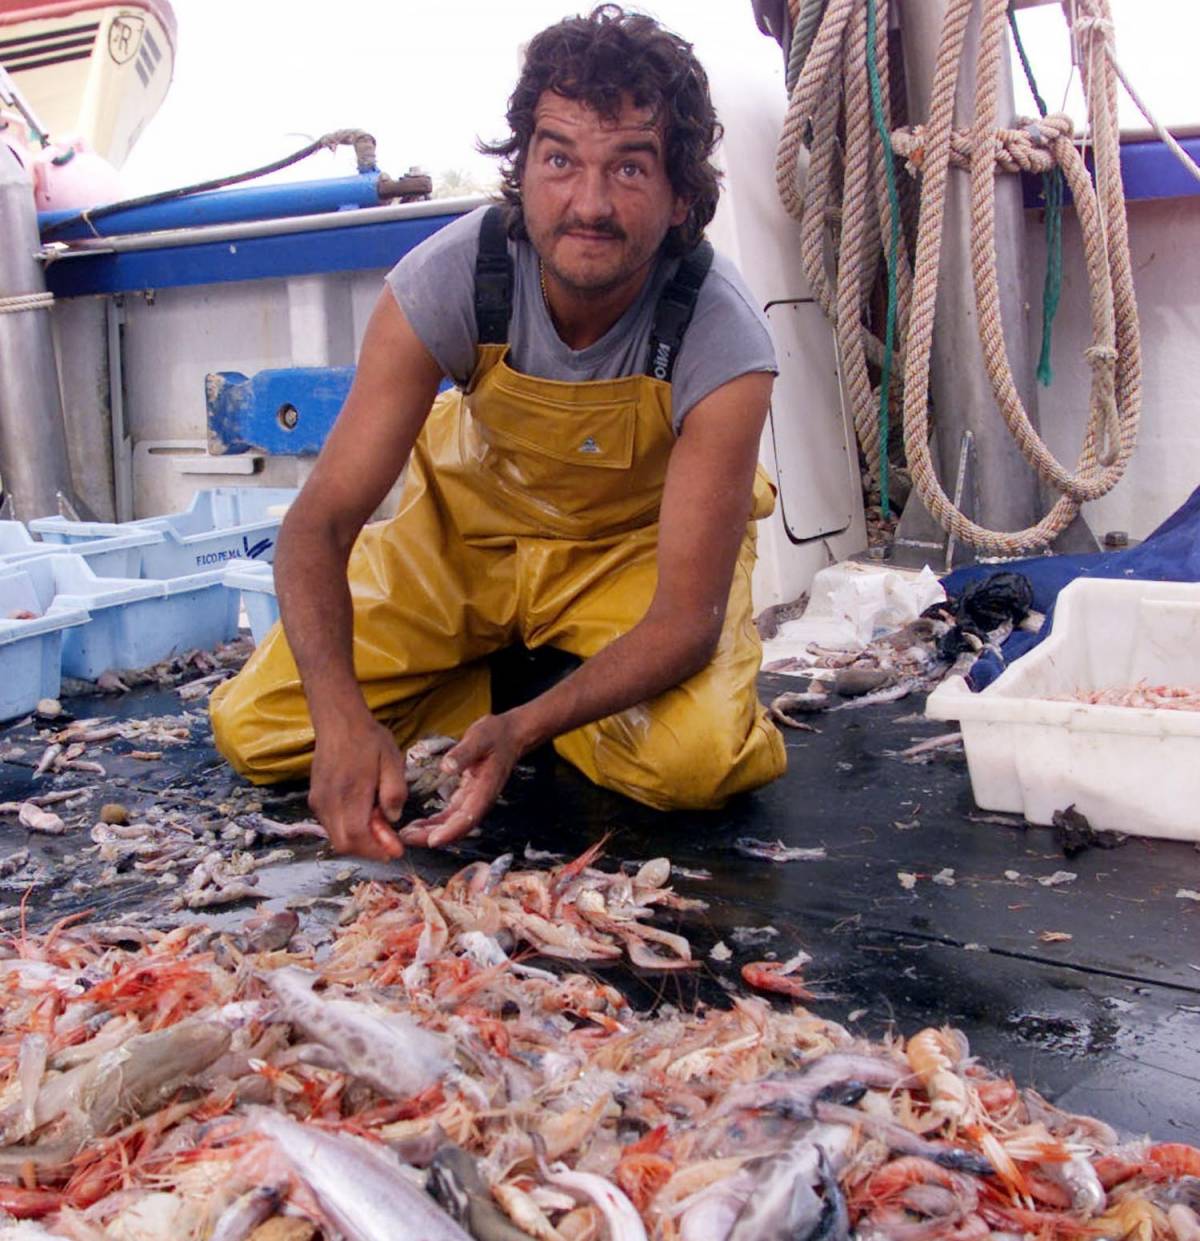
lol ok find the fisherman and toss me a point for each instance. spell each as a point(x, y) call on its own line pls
point(589, 484)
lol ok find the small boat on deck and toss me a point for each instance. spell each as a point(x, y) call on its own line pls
point(90, 69)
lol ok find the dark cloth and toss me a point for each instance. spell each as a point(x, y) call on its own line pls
point(1170, 554)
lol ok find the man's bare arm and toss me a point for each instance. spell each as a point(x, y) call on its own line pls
point(394, 385)
point(706, 505)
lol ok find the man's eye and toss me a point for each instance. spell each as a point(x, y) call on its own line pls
point(630, 169)
point(557, 159)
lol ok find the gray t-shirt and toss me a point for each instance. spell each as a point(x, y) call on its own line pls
point(434, 284)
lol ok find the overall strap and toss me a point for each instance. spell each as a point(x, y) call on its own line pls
point(493, 279)
point(676, 304)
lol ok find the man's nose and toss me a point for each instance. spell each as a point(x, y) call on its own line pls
point(593, 199)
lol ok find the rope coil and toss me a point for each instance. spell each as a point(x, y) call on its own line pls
point(26, 301)
point(830, 95)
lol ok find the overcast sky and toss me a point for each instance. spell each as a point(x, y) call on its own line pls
point(256, 79)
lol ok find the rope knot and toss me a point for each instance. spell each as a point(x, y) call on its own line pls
point(1088, 24)
point(1100, 355)
point(1044, 131)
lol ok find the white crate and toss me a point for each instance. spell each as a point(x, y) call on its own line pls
point(134, 622)
point(30, 650)
point(118, 555)
point(255, 581)
point(1127, 769)
point(220, 525)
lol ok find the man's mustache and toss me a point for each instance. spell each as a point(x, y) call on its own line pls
point(604, 228)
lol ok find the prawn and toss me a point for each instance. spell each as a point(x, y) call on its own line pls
point(642, 1169)
point(778, 976)
point(1169, 1160)
point(932, 1056)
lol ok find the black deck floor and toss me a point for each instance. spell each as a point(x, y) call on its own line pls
point(1106, 1022)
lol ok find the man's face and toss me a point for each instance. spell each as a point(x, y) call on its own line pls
point(596, 195)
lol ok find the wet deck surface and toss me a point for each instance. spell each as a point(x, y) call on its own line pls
point(1107, 1022)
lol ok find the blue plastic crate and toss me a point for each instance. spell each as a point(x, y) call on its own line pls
point(221, 524)
point(135, 622)
point(30, 650)
point(255, 582)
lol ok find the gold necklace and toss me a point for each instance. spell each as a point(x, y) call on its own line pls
point(542, 282)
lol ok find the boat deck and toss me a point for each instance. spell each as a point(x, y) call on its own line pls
point(1106, 1022)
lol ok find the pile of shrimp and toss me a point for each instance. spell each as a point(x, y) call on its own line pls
point(131, 1073)
point(1161, 697)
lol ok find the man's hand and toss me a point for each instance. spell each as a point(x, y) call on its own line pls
point(358, 789)
point(485, 756)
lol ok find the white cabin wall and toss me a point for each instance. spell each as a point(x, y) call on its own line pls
point(172, 339)
point(1165, 467)
point(808, 448)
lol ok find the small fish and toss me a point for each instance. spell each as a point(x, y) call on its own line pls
point(796, 1094)
point(777, 851)
point(387, 1050)
point(362, 1189)
point(244, 1214)
point(784, 1205)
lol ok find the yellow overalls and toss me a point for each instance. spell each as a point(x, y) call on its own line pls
point(529, 514)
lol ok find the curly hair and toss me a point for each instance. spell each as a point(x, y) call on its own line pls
point(599, 59)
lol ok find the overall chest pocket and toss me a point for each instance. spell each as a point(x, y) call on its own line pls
point(591, 435)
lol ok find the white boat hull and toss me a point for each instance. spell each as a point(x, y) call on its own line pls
point(94, 70)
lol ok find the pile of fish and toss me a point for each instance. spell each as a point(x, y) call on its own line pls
point(411, 1074)
point(945, 640)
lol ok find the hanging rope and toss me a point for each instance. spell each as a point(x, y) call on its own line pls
point(831, 95)
point(1052, 194)
point(845, 201)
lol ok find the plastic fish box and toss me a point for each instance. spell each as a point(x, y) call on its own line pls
point(118, 555)
point(255, 582)
point(135, 622)
point(30, 650)
point(1128, 769)
point(221, 524)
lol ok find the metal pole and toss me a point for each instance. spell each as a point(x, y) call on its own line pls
point(1005, 490)
point(34, 465)
point(125, 243)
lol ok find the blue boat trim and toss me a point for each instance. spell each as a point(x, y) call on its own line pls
point(1148, 169)
point(361, 248)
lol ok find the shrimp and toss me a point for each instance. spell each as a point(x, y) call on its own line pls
point(778, 976)
point(642, 1169)
point(1169, 1160)
point(23, 1203)
point(563, 875)
point(1134, 1219)
point(932, 1055)
point(896, 1178)
point(525, 1213)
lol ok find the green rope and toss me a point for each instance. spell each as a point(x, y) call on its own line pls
point(807, 24)
point(889, 344)
point(1052, 193)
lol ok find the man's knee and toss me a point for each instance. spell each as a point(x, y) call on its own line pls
point(262, 748)
point(697, 766)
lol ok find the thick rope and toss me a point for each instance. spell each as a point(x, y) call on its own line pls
point(831, 94)
point(26, 301)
